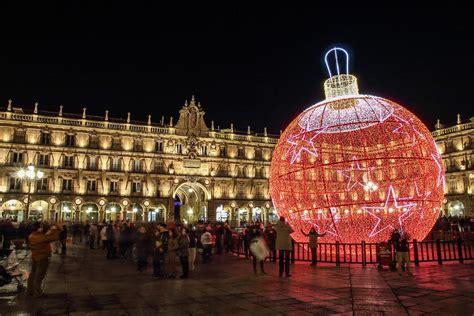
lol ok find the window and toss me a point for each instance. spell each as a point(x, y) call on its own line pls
point(159, 146)
point(92, 163)
point(452, 186)
point(136, 165)
point(258, 154)
point(17, 158)
point(241, 153)
point(136, 187)
point(224, 191)
point(91, 185)
point(43, 160)
point(42, 184)
point(116, 144)
point(223, 151)
point(94, 141)
point(138, 146)
point(115, 164)
point(113, 187)
point(204, 150)
point(159, 166)
point(19, 136)
point(15, 184)
point(67, 184)
point(45, 138)
point(70, 140)
point(179, 148)
point(68, 161)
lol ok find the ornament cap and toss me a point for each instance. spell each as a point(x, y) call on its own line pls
point(339, 84)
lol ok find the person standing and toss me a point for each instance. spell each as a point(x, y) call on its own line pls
point(87, 228)
point(403, 255)
point(206, 241)
point(183, 252)
point(313, 243)
point(246, 238)
point(219, 238)
point(40, 252)
point(284, 245)
point(192, 248)
point(159, 250)
point(227, 238)
point(270, 238)
point(92, 235)
point(256, 249)
point(143, 246)
point(103, 237)
point(63, 240)
point(170, 259)
point(109, 241)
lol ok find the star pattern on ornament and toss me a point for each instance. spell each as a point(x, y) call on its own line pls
point(440, 179)
point(300, 143)
point(358, 178)
point(407, 127)
point(389, 222)
point(418, 195)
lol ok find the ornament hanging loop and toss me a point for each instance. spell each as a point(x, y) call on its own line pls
point(335, 50)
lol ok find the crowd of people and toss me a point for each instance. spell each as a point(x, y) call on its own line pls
point(454, 224)
point(166, 246)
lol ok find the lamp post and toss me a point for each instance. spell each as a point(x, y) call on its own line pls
point(30, 174)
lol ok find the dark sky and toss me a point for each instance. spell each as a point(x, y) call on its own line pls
point(247, 65)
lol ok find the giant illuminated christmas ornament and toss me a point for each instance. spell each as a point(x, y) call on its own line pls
point(356, 167)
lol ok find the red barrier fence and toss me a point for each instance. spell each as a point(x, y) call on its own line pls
point(367, 253)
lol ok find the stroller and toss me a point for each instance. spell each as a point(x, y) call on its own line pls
point(9, 271)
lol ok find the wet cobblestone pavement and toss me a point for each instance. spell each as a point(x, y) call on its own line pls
point(85, 283)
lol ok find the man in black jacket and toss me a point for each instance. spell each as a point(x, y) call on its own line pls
point(159, 249)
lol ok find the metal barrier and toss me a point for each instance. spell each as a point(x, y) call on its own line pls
point(367, 253)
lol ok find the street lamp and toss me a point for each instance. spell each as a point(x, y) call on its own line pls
point(30, 174)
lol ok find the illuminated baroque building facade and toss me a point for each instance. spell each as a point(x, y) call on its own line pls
point(102, 168)
point(456, 146)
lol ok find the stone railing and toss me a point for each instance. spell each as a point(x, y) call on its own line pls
point(453, 129)
point(70, 120)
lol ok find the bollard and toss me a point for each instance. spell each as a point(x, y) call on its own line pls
point(438, 251)
point(338, 261)
point(461, 259)
point(415, 253)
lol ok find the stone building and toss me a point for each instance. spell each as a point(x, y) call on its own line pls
point(103, 168)
point(456, 146)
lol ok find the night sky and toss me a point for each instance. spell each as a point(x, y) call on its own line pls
point(246, 65)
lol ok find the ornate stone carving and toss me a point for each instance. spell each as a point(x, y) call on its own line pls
point(191, 120)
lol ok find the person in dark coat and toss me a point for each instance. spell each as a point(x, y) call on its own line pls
point(270, 238)
point(313, 242)
point(143, 245)
point(63, 240)
point(183, 252)
point(227, 238)
point(219, 238)
point(159, 250)
point(110, 241)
